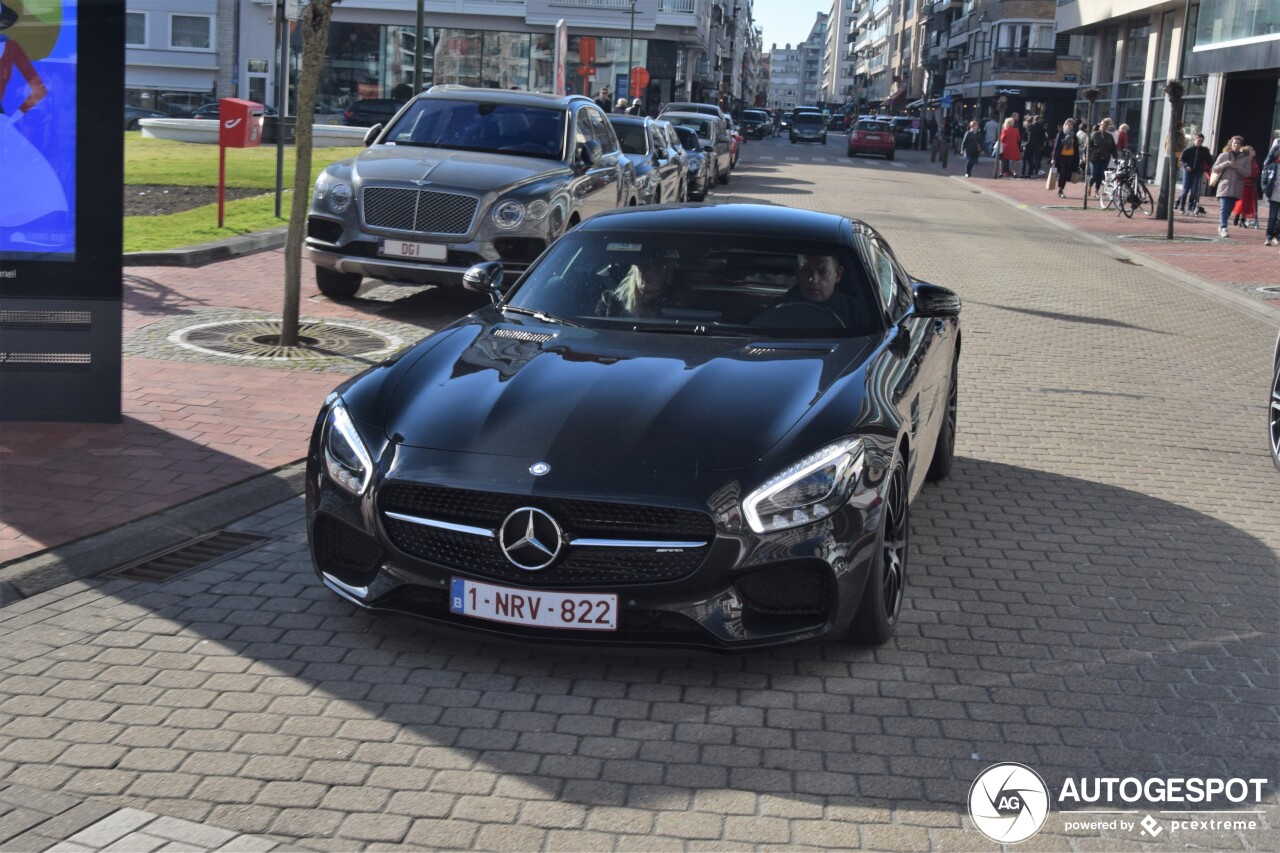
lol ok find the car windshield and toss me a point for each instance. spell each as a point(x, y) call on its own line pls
point(696, 283)
point(634, 138)
point(875, 126)
point(751, 115)
point(700, 126)
point(809, 118)
point(517, 129)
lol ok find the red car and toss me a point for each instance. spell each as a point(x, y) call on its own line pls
point(871, 137)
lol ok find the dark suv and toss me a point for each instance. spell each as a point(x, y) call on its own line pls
point(756, 123)
point(463, 176)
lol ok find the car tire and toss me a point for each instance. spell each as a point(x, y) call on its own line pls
point(881, 604)
point(889, 156)
point(340, 284)
point(850, 152)
point(1274, 420)
point(724, 178)
point(944, 451)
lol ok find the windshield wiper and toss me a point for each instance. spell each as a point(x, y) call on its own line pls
point(537, 315)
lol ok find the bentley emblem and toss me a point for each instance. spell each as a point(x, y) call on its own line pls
point(422, 182)
point(530, 539)
point(537, 469)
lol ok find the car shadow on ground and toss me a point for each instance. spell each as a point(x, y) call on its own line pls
point(1065, 624)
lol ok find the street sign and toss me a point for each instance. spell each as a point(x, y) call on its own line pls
point(946, 99)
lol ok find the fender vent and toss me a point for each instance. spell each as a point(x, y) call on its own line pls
point(199, 554)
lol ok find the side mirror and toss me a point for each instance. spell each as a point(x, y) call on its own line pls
point(724, 138)
point(485, 278)
point(371, 134)
point(932, 300)
point(591, 153)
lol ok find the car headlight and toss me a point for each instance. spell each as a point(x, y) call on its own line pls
point(345, 458)
point(809, 490)
point(339, 197)
point(510, 213)
point(695, 166)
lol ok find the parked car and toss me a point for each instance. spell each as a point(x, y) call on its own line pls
point(871, 137)
point(675, 150)
point(210, 111)
point(690, 107)
point(700, 165)
point(756, 123)
point(133, 115)
point(367, 112)
point(904, 135)
point(1275, 407)
point(713, 138)
point(836, 122)
point(808, 127)
point(658, 177)
point(736, 141)
point(682, 427)
point(461, 176)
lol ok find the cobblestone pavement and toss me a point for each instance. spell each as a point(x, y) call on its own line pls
point(1093, 593)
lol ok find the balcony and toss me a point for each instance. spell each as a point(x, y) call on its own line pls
point(1022, 59)
point(682, 7)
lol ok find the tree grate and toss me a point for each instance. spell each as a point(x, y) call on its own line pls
point(260, 339)
point(198, 554)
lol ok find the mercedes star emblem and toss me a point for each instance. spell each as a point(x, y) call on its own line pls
point(530, 539)
point(537, 469)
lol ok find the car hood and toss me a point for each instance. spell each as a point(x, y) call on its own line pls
point(619, 398)
point(471, 170)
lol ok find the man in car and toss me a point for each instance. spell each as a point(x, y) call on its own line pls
point(816, 280)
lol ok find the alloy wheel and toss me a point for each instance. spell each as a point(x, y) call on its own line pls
point(894, 564)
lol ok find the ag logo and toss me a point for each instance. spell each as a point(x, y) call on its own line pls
point(1008, 803)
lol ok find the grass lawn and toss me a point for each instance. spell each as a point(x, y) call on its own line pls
point(162, 161)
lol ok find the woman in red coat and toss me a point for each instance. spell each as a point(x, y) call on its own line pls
point(1010, 147)
point(1247, 207)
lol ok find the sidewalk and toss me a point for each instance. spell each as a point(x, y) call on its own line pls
point(1240, 263)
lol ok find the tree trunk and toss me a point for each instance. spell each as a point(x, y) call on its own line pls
point(315, 41)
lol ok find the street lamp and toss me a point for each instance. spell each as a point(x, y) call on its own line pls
point(631, 46)
point(984, 25)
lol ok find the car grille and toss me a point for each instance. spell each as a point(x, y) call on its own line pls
point(580, 564)
point(421, 211)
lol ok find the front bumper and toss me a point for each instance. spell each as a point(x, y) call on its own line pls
point(739, 590)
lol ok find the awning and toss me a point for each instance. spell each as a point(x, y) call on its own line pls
point(914, 104)
point(895, 100)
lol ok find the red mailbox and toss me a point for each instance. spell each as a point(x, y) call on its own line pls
point(239, 123)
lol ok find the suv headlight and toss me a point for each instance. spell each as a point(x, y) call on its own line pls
point(336, 195)
point(345, 458)
point(809, 490)
point(512, 212)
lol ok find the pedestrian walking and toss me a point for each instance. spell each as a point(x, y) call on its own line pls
point(1122, 138)
point(1196, 160)
point(1066, 154)
point(971, 145)
point(602, 100)
point(1010, 146)
point(1102, 147)
point(990, 133)
point(1271, 190)
point(1247, 207)
point(634, 109)
point(1229, 173)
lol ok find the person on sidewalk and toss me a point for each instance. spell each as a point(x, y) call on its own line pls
point(1233, 168)
point(1010, 147)
point(1247, 207)
point(1034, 148)
point(990, 133)
point(1065, 156)
point(971, 145)
point(1196, 160)
point(1102, 147)
point(1122, 138)
point(603, 101)
point(1271, 189)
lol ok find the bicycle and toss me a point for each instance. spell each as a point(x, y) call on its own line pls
point(1124, 187)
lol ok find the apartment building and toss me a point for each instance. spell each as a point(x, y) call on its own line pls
point(871, 52)
point(1226, 53)
point(838, 75)
point(182, 53)
point(796, 72)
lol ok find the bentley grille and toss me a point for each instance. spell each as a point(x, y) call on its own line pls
point(422, 211)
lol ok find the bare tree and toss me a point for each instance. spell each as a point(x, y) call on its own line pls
point(315, 41)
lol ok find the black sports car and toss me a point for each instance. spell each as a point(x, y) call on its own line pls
point(683, 426)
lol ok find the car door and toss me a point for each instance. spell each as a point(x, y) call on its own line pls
point(618, 176)
point(595, 185)
point(723, 145)
point(921, 346)
point(664, 164)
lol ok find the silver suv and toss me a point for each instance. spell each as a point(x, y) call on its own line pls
point(459, 177)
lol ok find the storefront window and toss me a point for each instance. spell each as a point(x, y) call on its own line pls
point(1166, 45)
point(1135, 51)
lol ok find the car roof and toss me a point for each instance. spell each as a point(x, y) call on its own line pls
point(623, 118)
point(746, 220)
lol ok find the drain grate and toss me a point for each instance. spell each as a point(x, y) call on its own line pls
point(260, 339)
point(199, 554)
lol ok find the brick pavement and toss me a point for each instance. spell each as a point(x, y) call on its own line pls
point(1092, 593)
